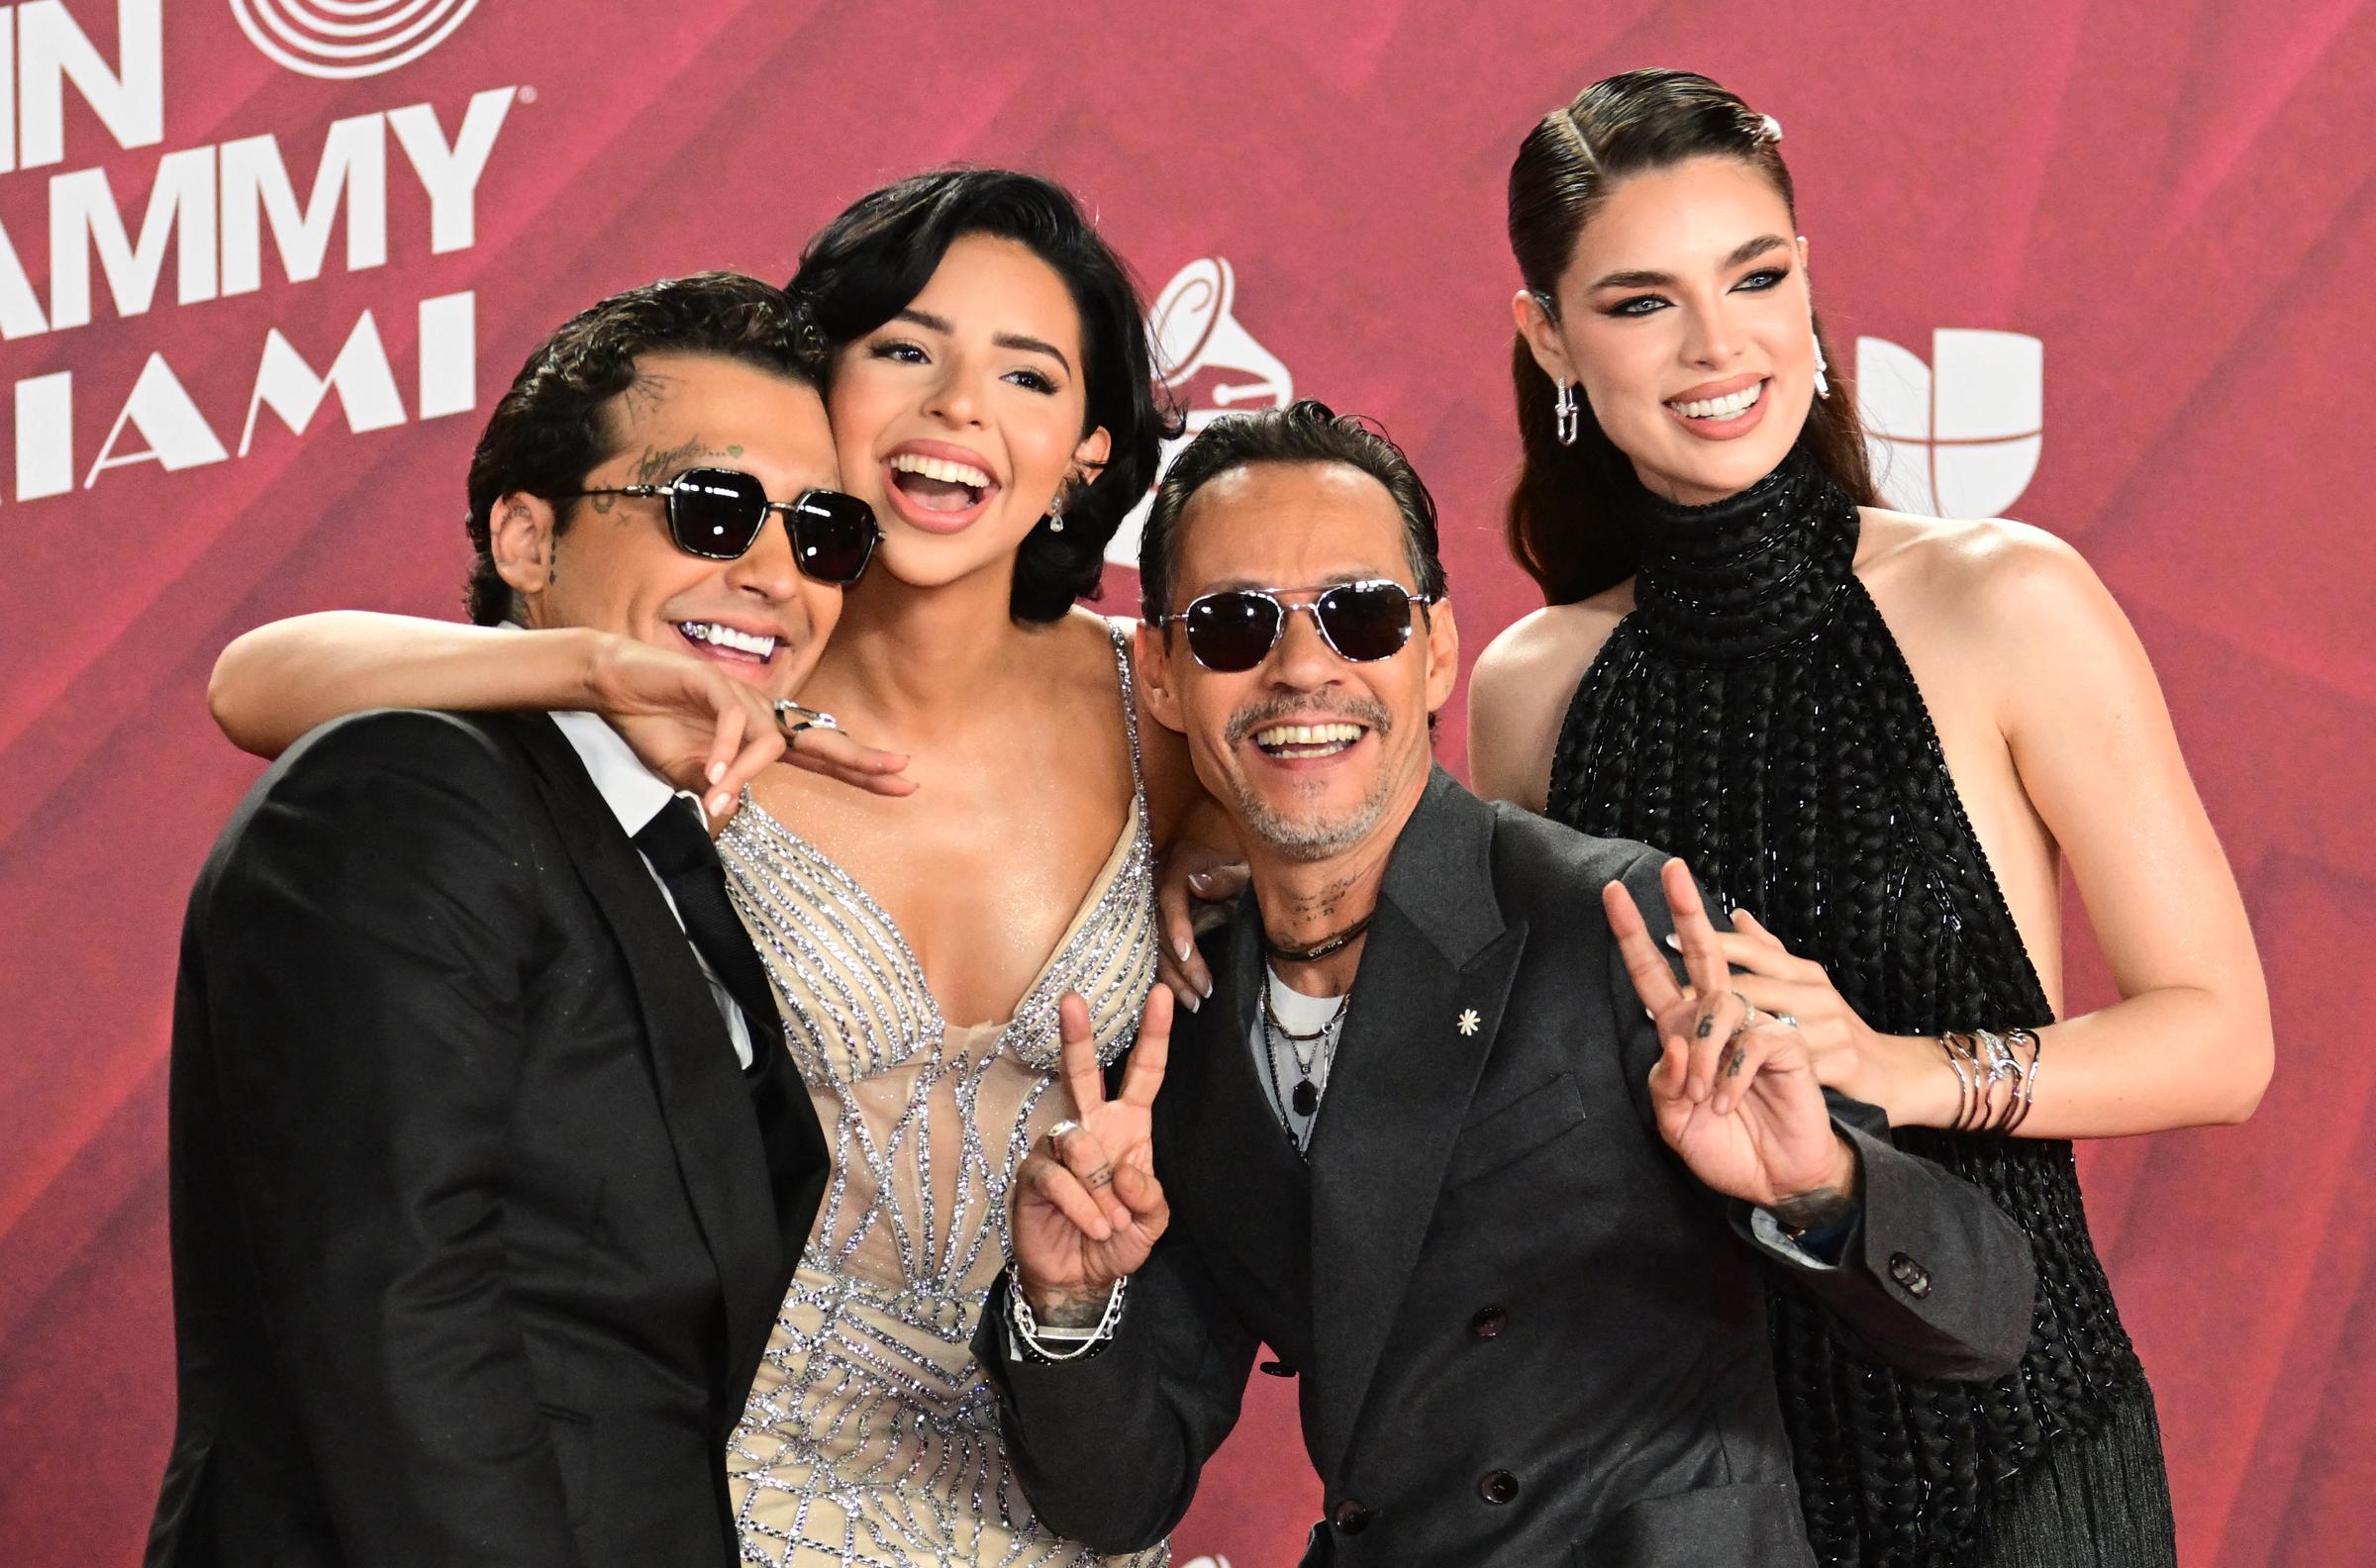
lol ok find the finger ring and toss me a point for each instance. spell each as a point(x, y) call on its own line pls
point(791, 718)
point(1786, 1020)
point(1058, 1134)
point(1749, 1013)
point(1103, 1176)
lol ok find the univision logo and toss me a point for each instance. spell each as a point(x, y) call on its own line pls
point(1959, 437)
point(344, 39)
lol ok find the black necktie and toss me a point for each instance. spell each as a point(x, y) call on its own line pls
point(677, 844)
point(679, 849)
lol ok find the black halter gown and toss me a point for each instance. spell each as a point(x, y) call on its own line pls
point(1754, 714)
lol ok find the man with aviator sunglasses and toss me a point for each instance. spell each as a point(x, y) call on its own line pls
point(1446, 1135)
point(488, 1171)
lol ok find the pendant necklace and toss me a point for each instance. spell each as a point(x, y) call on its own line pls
point(1306, 1049)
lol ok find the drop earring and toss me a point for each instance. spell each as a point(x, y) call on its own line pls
point(1056, 513)
point(1823, 370)
point(1566, 409)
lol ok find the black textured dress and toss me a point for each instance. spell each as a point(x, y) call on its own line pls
point(1754, 716)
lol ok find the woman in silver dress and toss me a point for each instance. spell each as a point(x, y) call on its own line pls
point(990, 393)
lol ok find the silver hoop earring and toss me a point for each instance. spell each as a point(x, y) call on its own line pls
point(1566, 409)
point(1823, 377)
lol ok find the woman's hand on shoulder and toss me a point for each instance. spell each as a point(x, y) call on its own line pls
point(1517, 696)
point(705, 731)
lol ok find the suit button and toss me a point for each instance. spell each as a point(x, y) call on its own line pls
point(1351, 1516)
point(1912, 1275)
point(1489, 1322)
point(1499, 1485)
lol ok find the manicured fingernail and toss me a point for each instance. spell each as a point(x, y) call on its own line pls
point(716, 771)
point(1194, 1004)
point(1207, 988)
point(1181, 949)
point(721, 804)
point(1202, 881)
point(1673, 941)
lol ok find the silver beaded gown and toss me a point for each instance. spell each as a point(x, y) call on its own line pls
point(869, 1437)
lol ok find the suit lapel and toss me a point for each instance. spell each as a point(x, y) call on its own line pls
point(1426, 1005)
point(703, 1101)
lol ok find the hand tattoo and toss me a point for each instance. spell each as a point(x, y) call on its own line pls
point(1817, 1208)
point(1068, 1310)
point(1736, 1061)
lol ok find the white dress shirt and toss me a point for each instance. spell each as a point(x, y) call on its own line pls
point(635, 795)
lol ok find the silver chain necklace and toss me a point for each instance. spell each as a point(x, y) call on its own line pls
point(1307, 1051)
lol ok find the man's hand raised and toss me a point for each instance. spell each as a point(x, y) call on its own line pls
point(1088, 1209)
point(1736, 1095)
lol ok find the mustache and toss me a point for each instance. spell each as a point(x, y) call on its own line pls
point(1366, 711)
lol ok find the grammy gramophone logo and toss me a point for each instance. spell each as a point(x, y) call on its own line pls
point(1209, 362)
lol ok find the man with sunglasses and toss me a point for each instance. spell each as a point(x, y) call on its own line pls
point(1447, 1134)
point(488, 1170)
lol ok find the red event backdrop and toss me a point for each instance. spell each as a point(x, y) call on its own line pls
point(2105, 267)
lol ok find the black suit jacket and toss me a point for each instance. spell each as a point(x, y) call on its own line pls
point(475, 1240)
point(1527, 1335)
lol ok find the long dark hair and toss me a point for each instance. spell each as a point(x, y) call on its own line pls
point(864, 266)
point(1563, 520)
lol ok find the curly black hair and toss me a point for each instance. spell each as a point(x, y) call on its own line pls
point(864, 266)
point(551, 430)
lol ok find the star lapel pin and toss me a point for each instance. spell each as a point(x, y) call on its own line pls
point(1468, 1020)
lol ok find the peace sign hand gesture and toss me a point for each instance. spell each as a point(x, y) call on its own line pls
point(1088, 1209)
point(1736, 1095)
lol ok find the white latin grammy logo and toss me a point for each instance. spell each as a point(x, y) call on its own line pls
point(1959, 437)
point(344, 39)
point(1211, 363)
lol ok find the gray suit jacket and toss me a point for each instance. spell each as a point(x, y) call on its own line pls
point(1526, 1334)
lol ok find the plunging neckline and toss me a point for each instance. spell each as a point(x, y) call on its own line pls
point(1099, 886)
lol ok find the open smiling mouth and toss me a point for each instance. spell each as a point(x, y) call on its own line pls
point(939, 484)
point(1298, 743)
point(726, 640)
point(1730, 406)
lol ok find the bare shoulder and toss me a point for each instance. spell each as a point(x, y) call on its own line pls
point(1519, 688)
point(2003, 608)
point(1994, 575)
point(1556, 642)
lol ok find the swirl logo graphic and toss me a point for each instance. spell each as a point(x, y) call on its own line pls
point(1959, 437)
point(344, 39)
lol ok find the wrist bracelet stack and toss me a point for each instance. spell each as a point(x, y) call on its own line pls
point(1026, 1325)
point(1996, 1078)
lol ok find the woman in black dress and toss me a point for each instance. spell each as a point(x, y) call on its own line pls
point(1876, 737)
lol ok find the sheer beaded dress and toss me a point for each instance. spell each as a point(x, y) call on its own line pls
point(1754, 714)
point(869, 1437)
